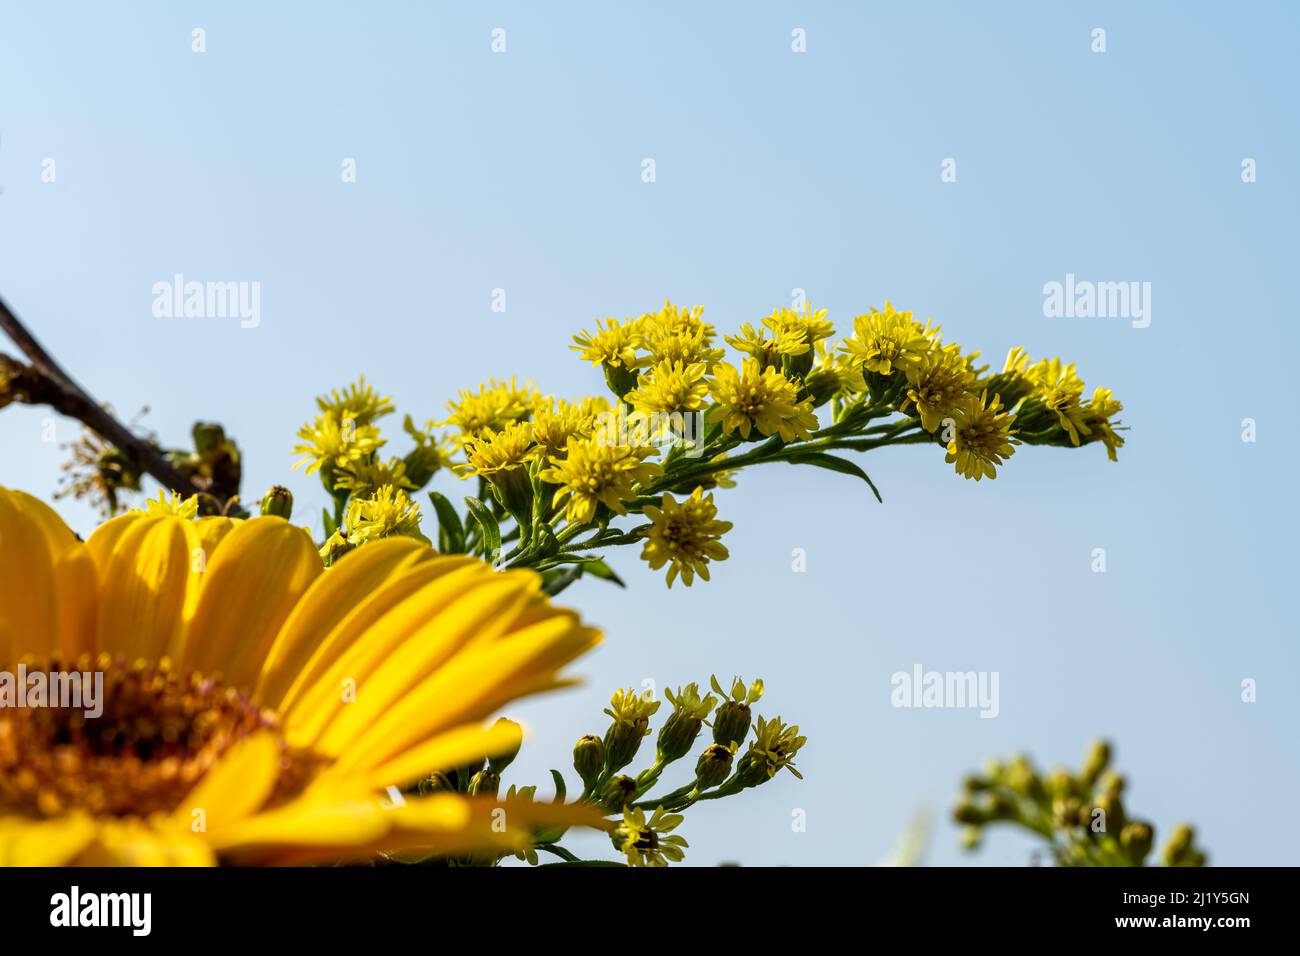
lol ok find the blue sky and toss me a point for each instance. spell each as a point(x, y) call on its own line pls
point(774, 171)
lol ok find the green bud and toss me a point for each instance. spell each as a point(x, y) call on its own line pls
point(278, 501)
point(677, 735)
point(484, 783)
point(731, 723)
point(1059, 783)
point(1022, 779)
point(1111, 782)
point(752, 769)
point(1098, 759)
point(974, 784)
point(497, 764)
point(618, 793)
point(1069, 811)
point(623, 740)
point(968, 813)
point(1136, 839)
point(713, 767)
point(1111, 805)
point(1179, 851)
point(971, 837)
point(589, 758)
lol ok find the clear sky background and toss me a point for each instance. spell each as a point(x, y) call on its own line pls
point(775, 171)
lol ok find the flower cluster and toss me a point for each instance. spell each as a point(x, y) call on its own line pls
point(1080, 815)
point(679, 419)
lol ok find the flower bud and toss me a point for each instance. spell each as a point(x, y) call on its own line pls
point(618, 793)
point(731, 723)
point(623, 740)
point(484, 783)
point(713, 767)
point(1136, 839)
point(677, 735)
point(497, 764)
point(1112, 809)
point(969, 814)
point(589, 758)
point(1098, 759)
point(278, 501)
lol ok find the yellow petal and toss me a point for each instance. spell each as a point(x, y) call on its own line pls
point(455, 748)
point(301, 648)
point(235, 788)
point(145, 573)
point(57, 842)
point(133, 842)
point(47, 581)
point(250, 587)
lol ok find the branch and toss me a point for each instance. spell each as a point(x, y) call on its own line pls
point(50, 385)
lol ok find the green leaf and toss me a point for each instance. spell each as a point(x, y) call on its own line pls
point(327, 522)
point(832, 463)
point(488, 526)
point(451, 533)
point(557, 579)
point(560, 789)
point(597, 568)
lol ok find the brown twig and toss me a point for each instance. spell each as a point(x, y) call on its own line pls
point(51, 385)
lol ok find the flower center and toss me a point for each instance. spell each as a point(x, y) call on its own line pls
point(118, 739)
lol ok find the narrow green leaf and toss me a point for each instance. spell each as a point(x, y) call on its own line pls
point(560, 789)
point(327, 522)
point(598, 568)
point(488, 526)
point(833, 463)
point(451, 533)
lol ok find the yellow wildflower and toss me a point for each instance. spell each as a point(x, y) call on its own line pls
point(888, 340)
point(685, 537)
point(1059, 387)
point(336, 442)
point(614, 343)
point(389, 512)
point(981, 437)
point(760, 398)
point(1097, 413)
point(495, 405)
point(647, 842)
point(490, 452)
point(171, 503)
point(670, 387)
point(593, 473)
point(358, 401)
point(755, 343)
point(555, 423)
point(222, 693)
point(806, 325)
point(773, 750)
point(365, 477)
point(939, 384)
point(631, 709)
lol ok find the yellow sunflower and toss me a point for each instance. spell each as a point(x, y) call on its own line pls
point(255, 708)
